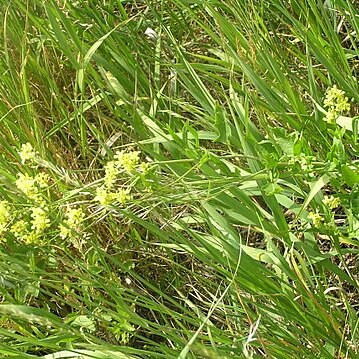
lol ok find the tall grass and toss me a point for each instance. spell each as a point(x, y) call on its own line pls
point(230, 226)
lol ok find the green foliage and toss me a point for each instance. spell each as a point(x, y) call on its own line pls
point(179, 179)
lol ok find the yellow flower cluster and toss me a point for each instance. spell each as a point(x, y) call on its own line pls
point(111, 173)
point(104, 197)
point(27, 153)
point(30, 186)
point(31, 225)
point(4, 216)
point(336, 102)
point(40, 221)
point(305, 162)
point(128, 162)
point(72, 223)
point(27, 185)
point(316, 218)
point(331, 201)
point(42, 180)
point(19, 229)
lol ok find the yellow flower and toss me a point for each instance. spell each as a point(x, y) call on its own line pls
point(111, 173)
point(331, 201)
point(127, 160)
point(144, 167)
point(4, 216)
point(105, 197)
point(19, 228)
point(331, 116)
point(42, 179)
point(74, 218)
point(27, 153)
point(122, 196)
point(40, 221)
point(336, 102)
point(27, 184)
point(31, 238)
point(316, 218)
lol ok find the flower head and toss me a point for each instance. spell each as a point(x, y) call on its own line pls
point(111, 173)
point(27, 153)
point(144, 167)
point(336, 102)
point(331, 201)
point(106, 197)
point(122, 196)
point(127, 160)
point(19, 228)
point(103, 196)
point(316, 218)
point(31, 237)
point(74, 218)
point(27, 184)
point(4, 216)
point(40, 221)
point(30, 186)
point(42, 179)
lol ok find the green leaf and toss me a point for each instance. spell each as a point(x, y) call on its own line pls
point(351, 177)
point(315, 188)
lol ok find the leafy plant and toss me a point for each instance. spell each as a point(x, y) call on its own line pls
point(179, 179)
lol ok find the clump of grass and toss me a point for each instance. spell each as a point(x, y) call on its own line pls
point(179, 196)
